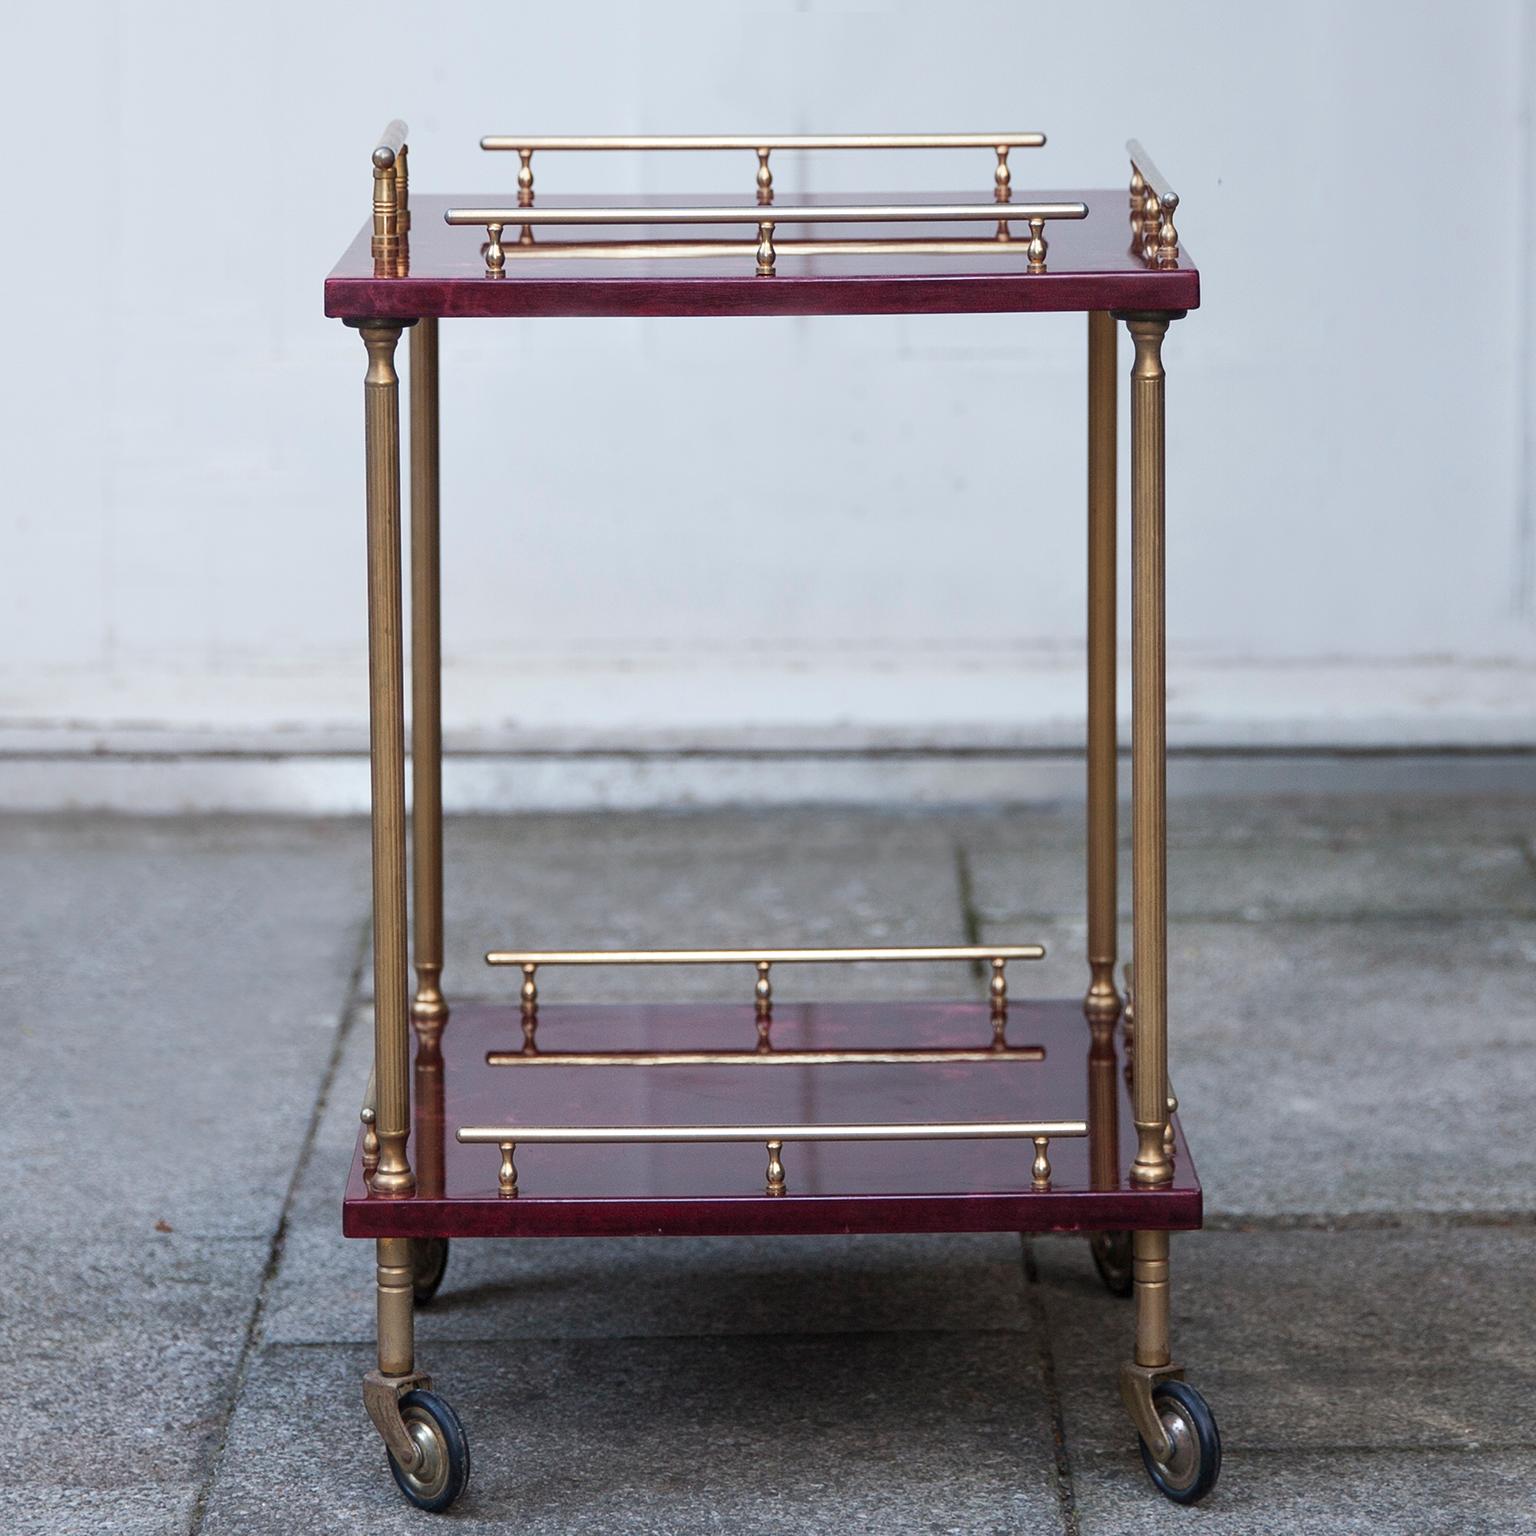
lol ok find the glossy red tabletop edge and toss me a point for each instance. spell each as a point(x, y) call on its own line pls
point(1089, 267)
point(718, 1189)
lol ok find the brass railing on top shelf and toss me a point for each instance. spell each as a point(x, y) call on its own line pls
point(496, 220)
point(763, 145)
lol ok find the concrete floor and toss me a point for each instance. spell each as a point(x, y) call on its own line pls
point(1354, 1039)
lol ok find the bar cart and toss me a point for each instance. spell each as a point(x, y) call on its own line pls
point(550, 1118)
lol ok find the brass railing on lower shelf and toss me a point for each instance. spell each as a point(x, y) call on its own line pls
point(763, 960)
point(509, 1137)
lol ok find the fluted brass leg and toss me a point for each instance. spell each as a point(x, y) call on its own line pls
point(1149, 832)
point(429, 1010)
point(387, 739)
point(1102, 1004)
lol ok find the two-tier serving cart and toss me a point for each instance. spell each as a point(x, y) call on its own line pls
point(548, 1118)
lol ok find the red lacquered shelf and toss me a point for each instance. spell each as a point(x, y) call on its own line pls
point(671, 1189)
point(439, 271)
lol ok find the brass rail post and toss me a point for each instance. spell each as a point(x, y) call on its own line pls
point(387, 744)
point(429, 1010)
point(1102, 1004)
point(1149, 913)
point(1149, 831)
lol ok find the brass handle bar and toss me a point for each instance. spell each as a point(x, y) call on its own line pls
point(944, 1130)
point(760, 956)
point(646, 141)
point(1153, 178)
point(391, 142)
point(391, 197)
point(839, 213)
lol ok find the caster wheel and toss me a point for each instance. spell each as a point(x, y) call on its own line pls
point(1191, 1471)
point(1112, 1258)
point(429, 1262)
point(439, 1477)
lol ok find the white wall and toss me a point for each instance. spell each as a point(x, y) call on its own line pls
point(836, 530)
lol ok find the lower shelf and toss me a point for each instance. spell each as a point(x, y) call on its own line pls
point(717, 1189)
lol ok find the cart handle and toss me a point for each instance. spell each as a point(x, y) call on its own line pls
point(997, 955)
point(1153, 202)
point(507, 1137)
point(391, 191)
point(763, 145)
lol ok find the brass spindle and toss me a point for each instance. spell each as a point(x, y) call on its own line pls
point(776, 1185)
point(762, 990)
point(495, 255)
point(1040, 1169)
point(525, 178)
point(1002, 177)
point(998, 987)
point(764, 177)
point(765, 254)
point(1036, 248)
point(506, 1175)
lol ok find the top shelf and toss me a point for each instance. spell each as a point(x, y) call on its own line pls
point(767, 252)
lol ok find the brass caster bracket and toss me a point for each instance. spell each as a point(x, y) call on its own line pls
point(381, 1397)
point(1136, 1384)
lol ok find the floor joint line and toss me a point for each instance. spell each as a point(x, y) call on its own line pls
point(277, 1244)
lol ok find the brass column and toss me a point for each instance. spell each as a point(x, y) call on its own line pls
point(1149, 831)
point(429, 1010)
point(1102, 1004)
point(386, 702)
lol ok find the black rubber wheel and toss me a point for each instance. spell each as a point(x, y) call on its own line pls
point(1112, 1258)
point(1191, 1472)
point(443, 1471)
point(429, 1262)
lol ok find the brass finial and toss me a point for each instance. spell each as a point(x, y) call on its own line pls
point(775, 1168)
point(1037, 247)
point(1040, 1169)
